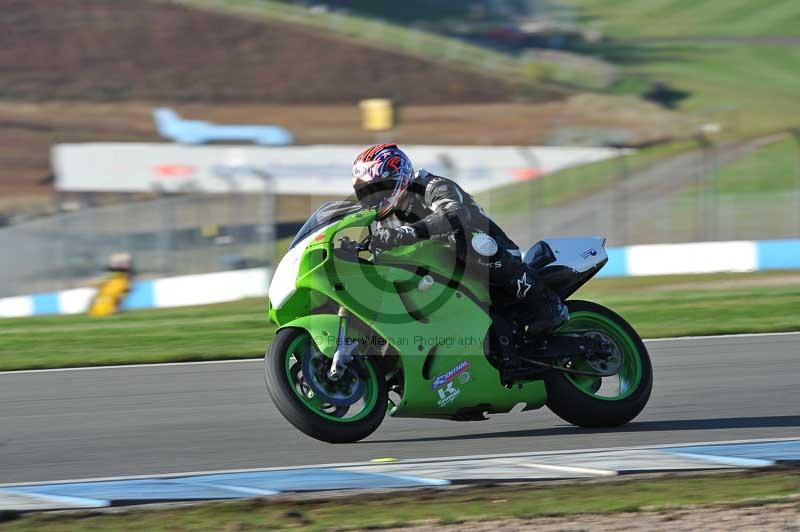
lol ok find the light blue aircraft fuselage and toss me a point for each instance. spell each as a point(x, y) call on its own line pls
point(170, 125)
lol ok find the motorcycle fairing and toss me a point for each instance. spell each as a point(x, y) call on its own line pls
point(432, 331)
point(322, 328)
point(447, 330)
point(566, 264)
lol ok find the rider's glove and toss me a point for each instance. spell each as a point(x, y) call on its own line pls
point(391, 237)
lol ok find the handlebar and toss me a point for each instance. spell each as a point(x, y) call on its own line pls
point(353, 246)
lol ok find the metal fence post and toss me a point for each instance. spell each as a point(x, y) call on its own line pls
point(713, 203)
point(619, 202)
point(166, 233)
point(700, 224)
point(796, 135)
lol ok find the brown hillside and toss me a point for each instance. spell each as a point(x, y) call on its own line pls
point(136, 50)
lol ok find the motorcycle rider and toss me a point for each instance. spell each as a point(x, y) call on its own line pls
point(420, 205)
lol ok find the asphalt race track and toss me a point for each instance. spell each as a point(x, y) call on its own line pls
point(138, 420)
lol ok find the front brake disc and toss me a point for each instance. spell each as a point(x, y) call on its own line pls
point(343, 392)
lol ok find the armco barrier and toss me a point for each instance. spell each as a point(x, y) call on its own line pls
point(657, 259)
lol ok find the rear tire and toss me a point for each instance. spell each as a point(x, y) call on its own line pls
point(299, 413)
point(576, 400)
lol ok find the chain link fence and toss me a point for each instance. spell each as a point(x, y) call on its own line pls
point(690, 217)
point(691, 197)
point(172, 235)
point(715, 193)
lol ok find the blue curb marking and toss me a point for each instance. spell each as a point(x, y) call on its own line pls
point(779, 451)
point(220, 486)
point(141, 296)
point(310, 480)
point(617, 265)
point(726, 460)
point(45, 304)
point(778, 255)
point(120, 491)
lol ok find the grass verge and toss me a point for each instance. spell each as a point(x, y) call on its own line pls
point(713, 18)
point(212, 332)
point(433, 507)
point(576, 182)
point(770, 169)
point(656, 306)
point(686, 305)
point(734, 62)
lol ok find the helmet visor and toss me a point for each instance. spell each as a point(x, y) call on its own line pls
point(375, 192)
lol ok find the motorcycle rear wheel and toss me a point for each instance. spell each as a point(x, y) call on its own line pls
point(292, 354)
point(587, 401)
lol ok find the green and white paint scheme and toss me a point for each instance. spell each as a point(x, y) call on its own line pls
point(409, 326)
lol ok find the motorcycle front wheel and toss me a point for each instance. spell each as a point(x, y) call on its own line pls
point(588, 401)
point(342, 411)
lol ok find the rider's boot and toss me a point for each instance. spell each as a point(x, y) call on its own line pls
point(543, 308)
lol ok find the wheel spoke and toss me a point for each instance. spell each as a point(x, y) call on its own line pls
point(345, 401)
point(624, 358)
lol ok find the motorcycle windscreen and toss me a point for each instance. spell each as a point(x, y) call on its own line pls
point(326, 214)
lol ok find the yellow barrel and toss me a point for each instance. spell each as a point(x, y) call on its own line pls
point(377, 114)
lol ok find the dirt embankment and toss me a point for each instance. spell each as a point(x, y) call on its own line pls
point(137, 50)
point(755, 518)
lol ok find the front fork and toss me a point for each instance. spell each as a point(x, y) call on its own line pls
point(344, 350)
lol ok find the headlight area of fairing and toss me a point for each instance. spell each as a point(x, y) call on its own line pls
point(299, 300)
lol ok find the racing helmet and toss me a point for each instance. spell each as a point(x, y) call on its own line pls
point(381, 177)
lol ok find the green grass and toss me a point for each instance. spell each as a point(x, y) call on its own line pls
point(702, 304)
point(575, 182)
point(669, 18)
point(772, 168)
point(228, 330)
point(656, 306)
point(433, 507)
point(749, 87)
point(756, 196)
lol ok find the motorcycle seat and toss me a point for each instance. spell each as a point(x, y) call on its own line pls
point(539, 255)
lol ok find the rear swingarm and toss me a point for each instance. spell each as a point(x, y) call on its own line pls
point(565, 346)
point(552, 353)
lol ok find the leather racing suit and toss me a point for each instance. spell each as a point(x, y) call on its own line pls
point(439, 209)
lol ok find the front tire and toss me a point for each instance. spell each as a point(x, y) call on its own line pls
point(355, 407)
point(588, 401)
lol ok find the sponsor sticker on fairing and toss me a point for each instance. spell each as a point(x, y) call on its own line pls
point(451, 374)
point(447, 394)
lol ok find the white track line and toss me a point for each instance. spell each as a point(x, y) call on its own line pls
point(721, 336)
point(81, 502)
point(238, 360)
point(563, 468)
point(135, 366)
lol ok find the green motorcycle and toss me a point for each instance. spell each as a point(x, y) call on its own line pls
point(410, 331)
